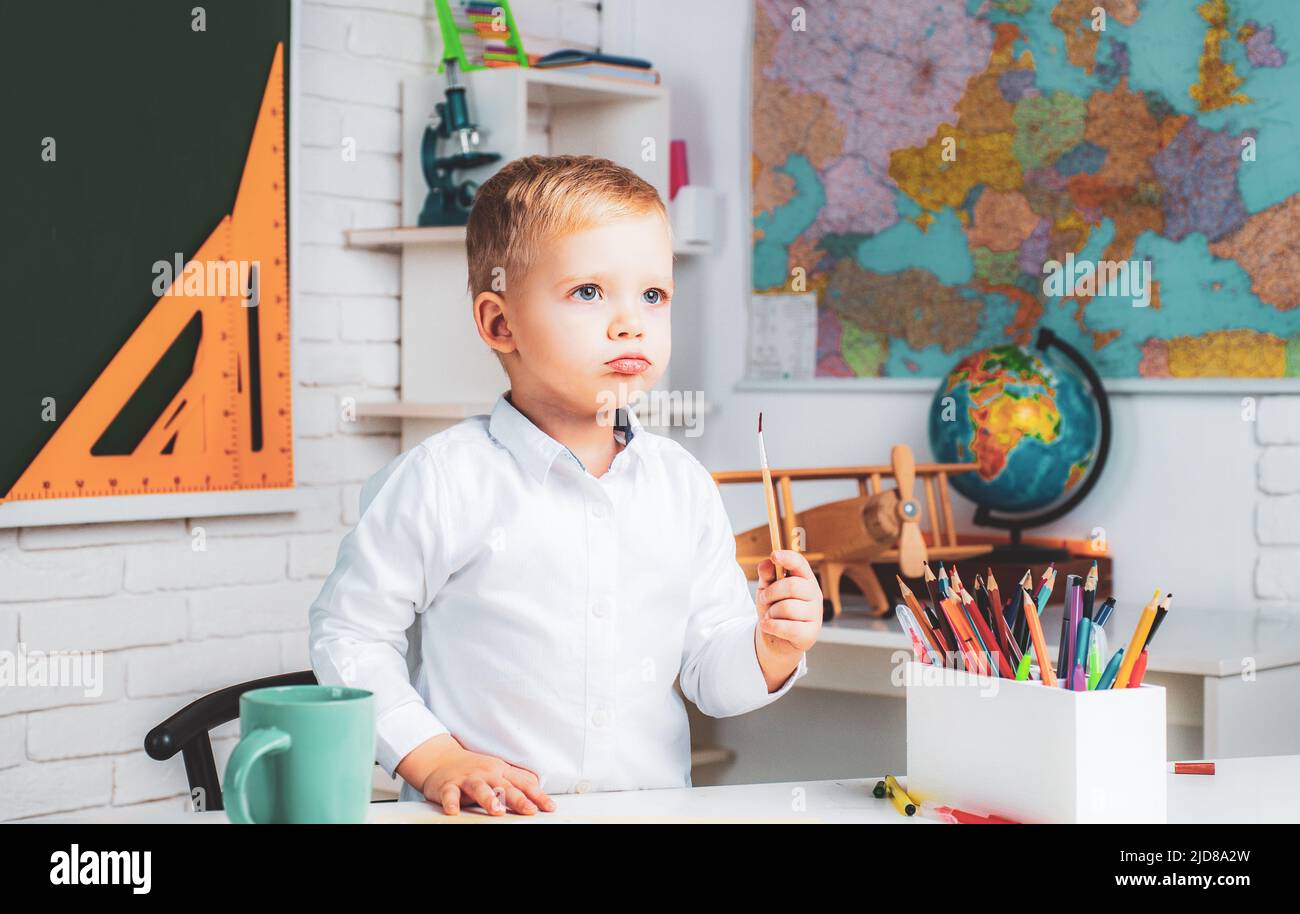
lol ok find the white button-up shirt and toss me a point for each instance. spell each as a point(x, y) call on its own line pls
point(553, 610)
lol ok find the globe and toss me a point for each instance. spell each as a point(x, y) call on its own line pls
point(1028, 420)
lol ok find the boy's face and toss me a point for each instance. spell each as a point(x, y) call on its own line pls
point(589, 324)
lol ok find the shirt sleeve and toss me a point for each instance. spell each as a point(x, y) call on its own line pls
point(720, 671)
point(388, 568)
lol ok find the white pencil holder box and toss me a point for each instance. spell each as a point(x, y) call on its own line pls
point(1035, 754)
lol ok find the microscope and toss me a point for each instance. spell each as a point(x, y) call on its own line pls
point(449, 202)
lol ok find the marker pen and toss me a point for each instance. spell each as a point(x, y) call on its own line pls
point(1112, 670)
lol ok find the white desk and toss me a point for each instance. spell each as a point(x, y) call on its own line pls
point(1256, 790)
point(1199, 657)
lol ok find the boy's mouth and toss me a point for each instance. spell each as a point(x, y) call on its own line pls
point(629, 364)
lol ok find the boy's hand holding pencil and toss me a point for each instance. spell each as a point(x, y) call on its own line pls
point(789, 614)
point(789, 598)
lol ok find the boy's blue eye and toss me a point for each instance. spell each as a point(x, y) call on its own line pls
point(653, 296)
point(586, 293)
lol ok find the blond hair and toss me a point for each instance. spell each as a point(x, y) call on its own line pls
point(533, 200)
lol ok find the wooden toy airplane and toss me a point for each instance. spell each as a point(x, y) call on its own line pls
point(842, 538)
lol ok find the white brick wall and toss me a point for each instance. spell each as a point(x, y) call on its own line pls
point(173, 623)
point(1277, 516)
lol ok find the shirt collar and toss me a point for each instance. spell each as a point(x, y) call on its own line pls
point(536, 451)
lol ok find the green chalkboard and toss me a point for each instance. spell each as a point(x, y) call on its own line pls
point(147, 107)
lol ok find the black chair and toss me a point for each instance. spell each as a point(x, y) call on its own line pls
point(186, 732)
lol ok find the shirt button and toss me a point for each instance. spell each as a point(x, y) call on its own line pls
point(600, 718)
point(598, 609)
point(598, 510)
point(582, 786)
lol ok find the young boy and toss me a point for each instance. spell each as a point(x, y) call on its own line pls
point(563, 570)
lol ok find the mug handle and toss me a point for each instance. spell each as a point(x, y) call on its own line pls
point(262, 741)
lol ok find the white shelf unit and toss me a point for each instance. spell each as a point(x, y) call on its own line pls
point(447, 373)
point(395, 239)
point(407, 409)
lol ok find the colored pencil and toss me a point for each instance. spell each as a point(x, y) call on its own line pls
point(931, 583)
point(1045, 672)
point(1140, 668)
point(995, 595)
point(1145, 621)
point(933, 618)
point(965, 638)
point(932, 588)
point(1045, 588)
point(971, 614)
point(955, 580)
point(1161, 612)
point(999, 659)
point(1090, 590)
point(1016, 607)
point(998, 622)
point(982, 600)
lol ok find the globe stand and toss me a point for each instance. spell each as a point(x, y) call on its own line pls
point(1020, 553)
point(1017, 551)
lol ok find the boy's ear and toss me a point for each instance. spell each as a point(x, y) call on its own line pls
point(490, 319)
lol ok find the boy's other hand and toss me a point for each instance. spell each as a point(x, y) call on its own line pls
point(457, 774)
point(789, 608)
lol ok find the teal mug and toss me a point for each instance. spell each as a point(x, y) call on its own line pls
point(305, 754)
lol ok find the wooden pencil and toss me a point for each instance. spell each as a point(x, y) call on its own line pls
point(930, 583)
point(966, 637)
point(999, 621)
point(1090, 590)
point(1145, 621)
point(1045, 671)
point(1161, 612)
point(982, 599)
point(954, 580)
point(995, 595)
point(999, 660)
point(932, 587)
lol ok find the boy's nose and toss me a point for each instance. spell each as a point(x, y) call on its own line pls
point(626, 324)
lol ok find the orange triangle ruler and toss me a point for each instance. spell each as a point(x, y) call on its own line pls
point(230, 425)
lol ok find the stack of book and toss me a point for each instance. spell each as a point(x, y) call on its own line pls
point(600, 66)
